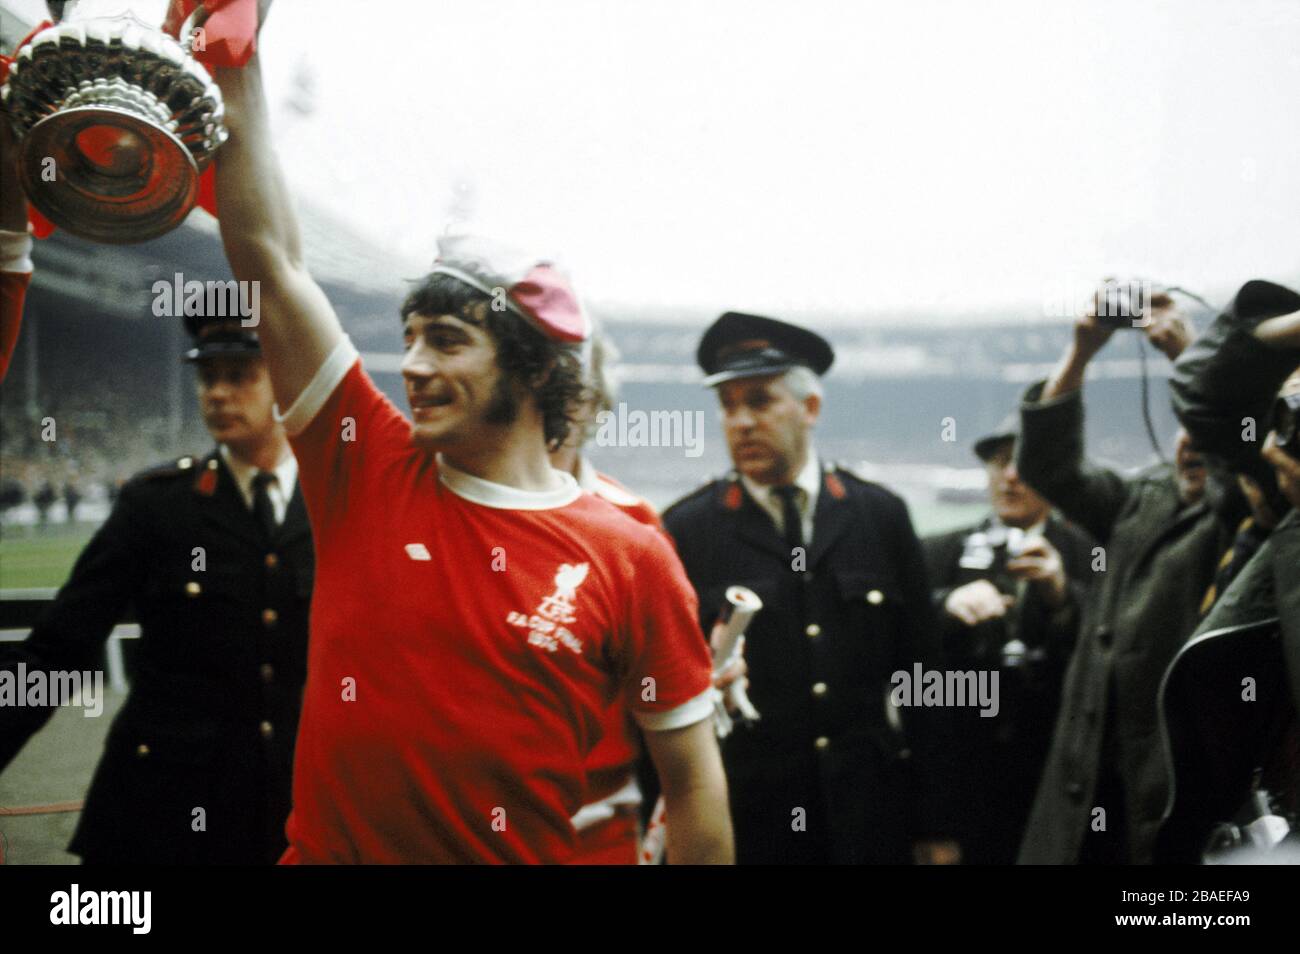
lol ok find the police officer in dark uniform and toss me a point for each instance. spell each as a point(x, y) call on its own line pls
point(214, 554)
point(1008, 592)
point(832, 772)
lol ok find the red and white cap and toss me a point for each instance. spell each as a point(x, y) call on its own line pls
point(534, 289)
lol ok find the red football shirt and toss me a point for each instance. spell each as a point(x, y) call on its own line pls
point(466, 640)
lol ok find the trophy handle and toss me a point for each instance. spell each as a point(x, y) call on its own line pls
point(186, 34)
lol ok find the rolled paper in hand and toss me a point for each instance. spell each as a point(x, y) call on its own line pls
point(738, 611)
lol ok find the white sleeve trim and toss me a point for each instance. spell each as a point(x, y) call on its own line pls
point(15, 252)
point(319, 389)
point(688, 713)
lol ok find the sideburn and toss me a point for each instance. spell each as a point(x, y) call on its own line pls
point(504, 406)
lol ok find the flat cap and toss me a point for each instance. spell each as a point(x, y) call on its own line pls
point(1007, 430)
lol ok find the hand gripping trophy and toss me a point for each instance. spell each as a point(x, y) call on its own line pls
point(115, 120)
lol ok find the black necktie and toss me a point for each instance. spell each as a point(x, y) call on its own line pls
point(262, 507)
point(790, 517)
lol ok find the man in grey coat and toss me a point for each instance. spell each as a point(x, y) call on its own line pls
point(1102, 792)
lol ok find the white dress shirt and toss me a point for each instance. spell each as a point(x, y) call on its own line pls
point(809, 482)
point(279, 490)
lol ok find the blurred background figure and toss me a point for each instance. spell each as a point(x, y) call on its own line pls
point(1009, 592)
point(1230, 698)
point(44, 499)
point(71, 498)
point(1104, 783)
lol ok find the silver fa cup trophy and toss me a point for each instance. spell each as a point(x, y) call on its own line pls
point(115, 120)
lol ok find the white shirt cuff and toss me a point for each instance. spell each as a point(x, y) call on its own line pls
point(318, 390)
point(15, 251)
point(688, 713)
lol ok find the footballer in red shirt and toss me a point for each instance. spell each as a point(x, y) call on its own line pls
point(475, 613)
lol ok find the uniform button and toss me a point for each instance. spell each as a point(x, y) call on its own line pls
point(268, 672)
point(142, 751)
point(266, 729)
point(1074, 789)
point(192, 588)
point(819, 689)
point(272, 561)
point(269, 616)
point(813, 630)
point(875, 597)
point(185, 463)
point(823, 743)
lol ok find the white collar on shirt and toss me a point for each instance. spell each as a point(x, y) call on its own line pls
point(998, 531)
point(809, 481)
point(503, 496)
point(280, 492)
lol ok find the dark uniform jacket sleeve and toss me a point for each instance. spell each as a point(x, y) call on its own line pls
point(1050, 458)
point(71, 633)
point(216, 674)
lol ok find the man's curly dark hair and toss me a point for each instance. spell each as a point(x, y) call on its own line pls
point(550, 371)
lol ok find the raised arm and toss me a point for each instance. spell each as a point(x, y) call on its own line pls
point(1230, 375)
point(1050, 452)
point(297, 325)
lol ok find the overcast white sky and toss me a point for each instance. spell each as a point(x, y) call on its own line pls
point(791, 156)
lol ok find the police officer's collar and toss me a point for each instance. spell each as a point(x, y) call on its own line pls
point(809, 480)
point(286, 472)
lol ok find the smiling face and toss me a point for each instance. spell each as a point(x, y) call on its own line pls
point(236, 401)
point(766, 427)
point(453, 384)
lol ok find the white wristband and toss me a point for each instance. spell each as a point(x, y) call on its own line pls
point(15, 251)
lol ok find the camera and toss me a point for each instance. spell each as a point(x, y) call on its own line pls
point(1123, 303)
point(1017, 540)
point(1128, 303)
